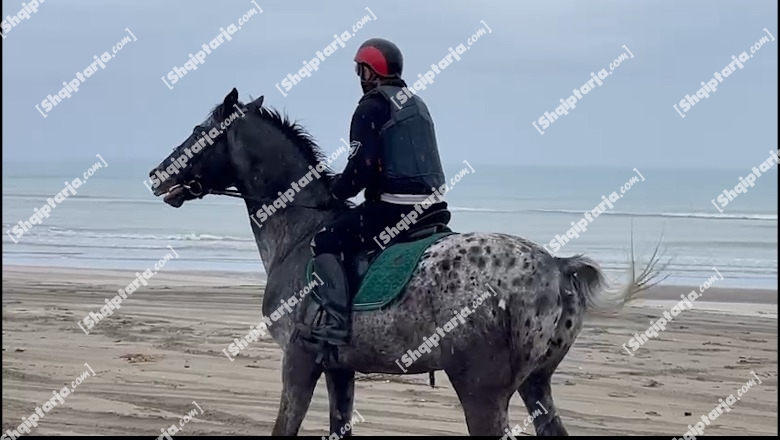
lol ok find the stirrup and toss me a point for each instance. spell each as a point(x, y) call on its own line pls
point(318, 345)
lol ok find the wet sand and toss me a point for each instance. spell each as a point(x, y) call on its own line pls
point(163, 350)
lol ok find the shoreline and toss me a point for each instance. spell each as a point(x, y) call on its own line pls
point(666, 293)
point(170, 277)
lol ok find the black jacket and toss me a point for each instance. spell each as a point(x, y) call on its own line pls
point(411, 167)
point(363, 167)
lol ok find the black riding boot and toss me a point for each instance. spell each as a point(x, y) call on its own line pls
point(328, 316)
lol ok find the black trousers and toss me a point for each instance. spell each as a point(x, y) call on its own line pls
point(369, 224)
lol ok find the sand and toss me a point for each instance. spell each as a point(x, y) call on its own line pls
point(163, 350)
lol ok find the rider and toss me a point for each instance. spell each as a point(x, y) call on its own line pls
point(394, 158)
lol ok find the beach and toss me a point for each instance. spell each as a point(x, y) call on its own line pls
point(156, 167)
point(162, 351)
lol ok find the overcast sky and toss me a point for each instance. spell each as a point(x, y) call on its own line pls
point(483, 105)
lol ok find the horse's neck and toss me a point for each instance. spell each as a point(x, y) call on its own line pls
point(287, 228)
point(281, 235)
point(284, 227)
point(283, 231)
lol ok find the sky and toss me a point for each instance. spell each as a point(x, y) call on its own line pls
point(483, 105)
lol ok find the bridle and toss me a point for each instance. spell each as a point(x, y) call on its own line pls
point(196, 190)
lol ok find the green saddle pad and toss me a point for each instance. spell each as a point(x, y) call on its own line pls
point(389, 273)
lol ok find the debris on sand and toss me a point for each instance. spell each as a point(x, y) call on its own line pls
point(135, 358)
point(388, 378)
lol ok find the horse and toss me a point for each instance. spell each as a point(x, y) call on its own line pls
point(512, 342)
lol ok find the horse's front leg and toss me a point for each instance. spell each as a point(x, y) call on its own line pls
point(300, 373)
point(341, 394)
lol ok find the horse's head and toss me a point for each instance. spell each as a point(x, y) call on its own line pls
point(202, 162)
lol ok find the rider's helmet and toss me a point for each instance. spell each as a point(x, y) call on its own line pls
point(381, 56)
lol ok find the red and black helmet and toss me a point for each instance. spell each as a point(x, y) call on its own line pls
point(382, 56)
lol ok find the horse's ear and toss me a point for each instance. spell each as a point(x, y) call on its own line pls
point(257, 104)
point(231, 99)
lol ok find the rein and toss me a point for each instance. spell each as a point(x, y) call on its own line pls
point(200, 193)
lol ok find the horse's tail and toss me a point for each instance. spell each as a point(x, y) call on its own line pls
point(584, 277)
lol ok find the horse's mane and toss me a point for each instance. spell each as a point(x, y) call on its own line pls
point(298, 135)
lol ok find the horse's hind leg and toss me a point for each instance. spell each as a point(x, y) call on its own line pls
point(536, 392)
point(485, 402)
point(300, 373)
point(341, 393)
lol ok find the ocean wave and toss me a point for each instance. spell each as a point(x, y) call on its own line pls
point(95, 198)
point(206, 237)
point(103, 199)
point(86, 233)
point(127, 246)
point(703, 215)
point(499, 211)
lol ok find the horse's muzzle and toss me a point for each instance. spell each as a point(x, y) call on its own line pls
point(176, 196)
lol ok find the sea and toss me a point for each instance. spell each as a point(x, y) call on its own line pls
point(113, 220)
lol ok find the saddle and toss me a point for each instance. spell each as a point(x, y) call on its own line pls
point(427, 225)
point(375, 277)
